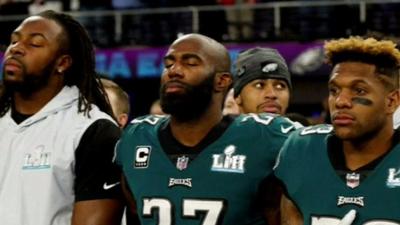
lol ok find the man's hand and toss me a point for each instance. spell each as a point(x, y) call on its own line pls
point(348, 218)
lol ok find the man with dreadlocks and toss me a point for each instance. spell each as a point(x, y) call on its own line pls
point(56, 135)
point(351, 168)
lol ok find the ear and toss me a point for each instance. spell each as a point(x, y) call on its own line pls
point(63, 63)
point(393, 101)
point(122, 119)
point(238, 100)
point(222, 82)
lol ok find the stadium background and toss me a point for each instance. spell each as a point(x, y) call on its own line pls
point(130, 43)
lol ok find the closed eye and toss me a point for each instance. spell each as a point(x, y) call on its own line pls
point(192, 64)
point(35, 45)
point(168, 63)
point(192, 61)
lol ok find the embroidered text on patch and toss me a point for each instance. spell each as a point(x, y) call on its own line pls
point(38, 159)
point(393, 179)
point(180, 182)
point(142, 157)
point(342, 200)
point(228, 162)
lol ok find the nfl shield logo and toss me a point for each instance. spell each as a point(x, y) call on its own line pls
point(353, 180)
point(182, 162)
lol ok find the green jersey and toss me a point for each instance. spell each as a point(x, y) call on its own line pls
point(323, 197)
point(219, 186)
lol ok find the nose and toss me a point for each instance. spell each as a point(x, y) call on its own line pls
point(269, 91)
point(343, 100)
point(175, 71)
point(16, 49)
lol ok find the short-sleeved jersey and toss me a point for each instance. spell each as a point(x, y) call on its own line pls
point(322, 196)
point(218, 187)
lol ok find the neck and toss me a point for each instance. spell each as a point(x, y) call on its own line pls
point(31, 103)
point(190, 133)
point(360, 153)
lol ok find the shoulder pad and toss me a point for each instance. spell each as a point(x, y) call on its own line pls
point(148, 120)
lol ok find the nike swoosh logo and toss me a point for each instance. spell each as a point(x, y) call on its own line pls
point(286, 129)
point(108, 186)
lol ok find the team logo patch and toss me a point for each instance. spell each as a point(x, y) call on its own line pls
point(352, 180)
point(38, 159)
point(228, 162)
point(142, 157)
point(182, 162)
point(393, 179)
point(342, 200)
point(187, 182)
point(270, 67)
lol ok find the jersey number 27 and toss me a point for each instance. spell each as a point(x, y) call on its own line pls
point(191, 209)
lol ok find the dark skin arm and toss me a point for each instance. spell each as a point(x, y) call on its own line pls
point(95, 205)
point(272, 216)
point(290, 215)
point(131, 203)
point(97, 212)
point(271, 198)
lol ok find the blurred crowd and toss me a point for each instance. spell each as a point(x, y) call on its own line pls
point(224, 20)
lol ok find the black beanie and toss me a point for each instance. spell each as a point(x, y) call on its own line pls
point(259, 63)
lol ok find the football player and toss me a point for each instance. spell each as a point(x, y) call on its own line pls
point(197, 166)
point(352, 166)
point(262, 81)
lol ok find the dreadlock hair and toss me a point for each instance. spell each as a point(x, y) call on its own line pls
point(383, 54)
point(75, 42)
point(82, 73)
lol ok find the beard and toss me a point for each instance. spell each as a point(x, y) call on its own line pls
point(30, 82)
point(190, 104)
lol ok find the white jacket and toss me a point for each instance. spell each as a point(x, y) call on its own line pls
point(37, 161)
